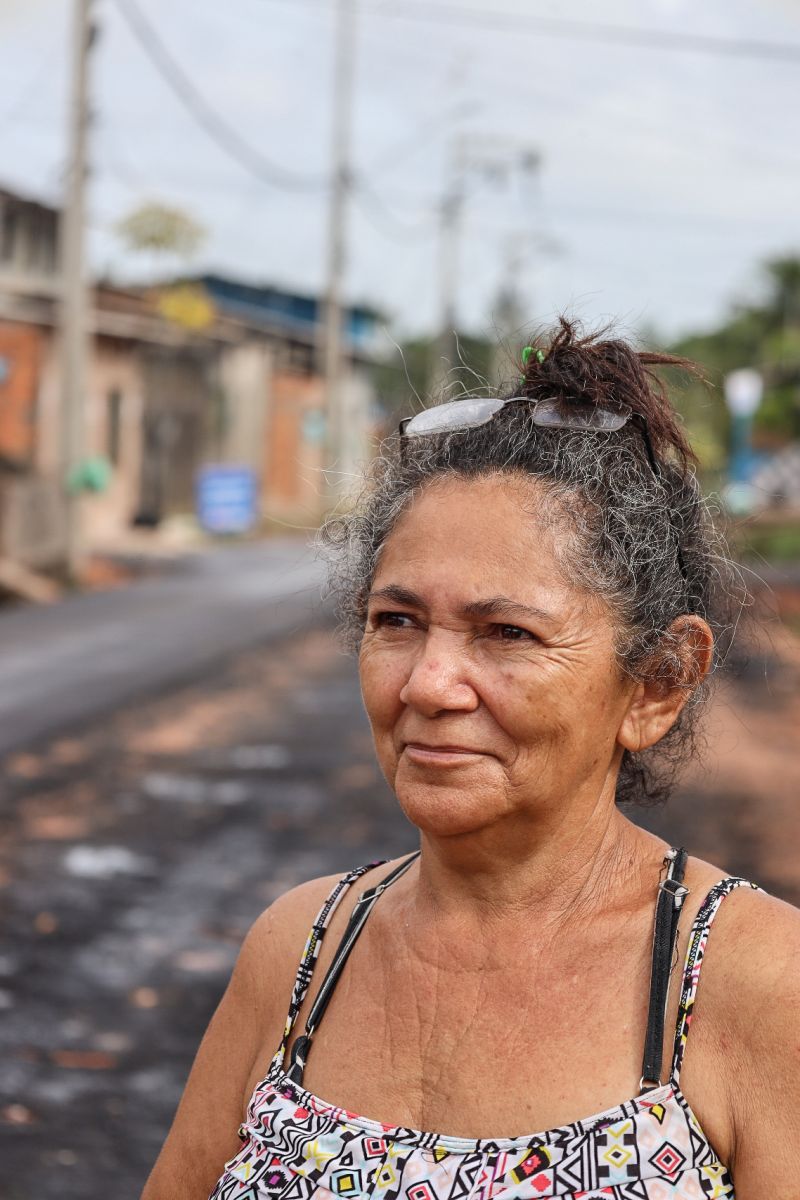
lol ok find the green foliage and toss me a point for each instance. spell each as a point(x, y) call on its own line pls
point(162, 229)
point(784, 276)
point(766, 541)
point(765, 336)
point(405, 382)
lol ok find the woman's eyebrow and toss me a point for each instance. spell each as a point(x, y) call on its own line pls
point(397, 595)
point(504, 606)
point(493, 606)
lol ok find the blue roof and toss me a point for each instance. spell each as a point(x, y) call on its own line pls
point(290, 310)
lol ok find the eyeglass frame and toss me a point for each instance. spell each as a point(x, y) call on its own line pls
point(630, 416)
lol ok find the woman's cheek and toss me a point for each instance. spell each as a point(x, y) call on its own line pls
point(383, 673)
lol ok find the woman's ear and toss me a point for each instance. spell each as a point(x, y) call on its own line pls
point(676, 668)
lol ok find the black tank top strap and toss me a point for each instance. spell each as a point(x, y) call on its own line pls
point(308, 959)
point(698, 939)
point(671, 894)
point(361, 910)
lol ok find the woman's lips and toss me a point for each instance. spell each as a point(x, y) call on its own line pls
point(440, 756)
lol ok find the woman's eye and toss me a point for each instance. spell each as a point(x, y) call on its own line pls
point(512, 633)
point(393, 620)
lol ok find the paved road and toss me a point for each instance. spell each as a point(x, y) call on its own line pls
point(64, 664)
point(135, 853)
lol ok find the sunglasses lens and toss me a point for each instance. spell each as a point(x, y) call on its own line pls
point(555, 414)
point(457, 414)
point(552, 414)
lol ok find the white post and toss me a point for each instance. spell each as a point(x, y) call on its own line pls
point(336, 439)
point(73, 273)
point(450, 213)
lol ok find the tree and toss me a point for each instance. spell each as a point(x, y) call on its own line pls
point(764, 335)
point(166, 232)
point(403, 381)
point(161, 229)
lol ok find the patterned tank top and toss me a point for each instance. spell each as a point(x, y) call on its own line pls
point(297, 1146)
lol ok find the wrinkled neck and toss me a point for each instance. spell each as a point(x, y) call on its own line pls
point(499, 878)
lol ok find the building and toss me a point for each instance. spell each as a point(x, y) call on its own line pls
point(202, 370)
point(31, 518)
point(291, 324)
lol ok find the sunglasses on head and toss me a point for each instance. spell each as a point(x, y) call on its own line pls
point(550, 413)
point(473, 411)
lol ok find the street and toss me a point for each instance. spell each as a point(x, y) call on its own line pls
point(141, 838)
point(79, 658)
point(254, 257)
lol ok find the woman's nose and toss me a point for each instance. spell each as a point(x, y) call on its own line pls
point(439, 678)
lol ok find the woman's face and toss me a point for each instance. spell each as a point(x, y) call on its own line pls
point(490, 682)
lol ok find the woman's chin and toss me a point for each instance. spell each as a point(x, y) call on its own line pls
point(448, 811)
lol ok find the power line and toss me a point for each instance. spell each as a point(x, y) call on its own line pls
point(218, 129)
point(596, 31)
point(381, 217)
point(372, 205)
point(582, 31)
point(248, 157)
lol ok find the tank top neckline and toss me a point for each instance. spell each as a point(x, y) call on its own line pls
point(298, 1146)
point(669, 1091)
point(285, 1087)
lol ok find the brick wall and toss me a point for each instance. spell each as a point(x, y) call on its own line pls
point(292, 480)
point(20, 357)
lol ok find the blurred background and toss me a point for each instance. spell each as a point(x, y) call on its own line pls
point(237, 243)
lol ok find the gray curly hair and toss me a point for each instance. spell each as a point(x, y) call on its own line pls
point(642, 541)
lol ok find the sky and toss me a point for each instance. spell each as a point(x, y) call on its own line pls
point(664, 177)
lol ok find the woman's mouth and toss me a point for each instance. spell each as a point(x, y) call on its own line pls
point(440, 756)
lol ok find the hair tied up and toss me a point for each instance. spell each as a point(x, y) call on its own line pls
point(602, 371)
point(529, 352)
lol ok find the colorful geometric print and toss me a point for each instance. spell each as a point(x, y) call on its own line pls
point(299, 1147)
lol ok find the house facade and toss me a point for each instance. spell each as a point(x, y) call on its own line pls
point(294, 432)
point(206, 370)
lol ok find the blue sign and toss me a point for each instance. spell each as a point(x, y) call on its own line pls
point(227, 498)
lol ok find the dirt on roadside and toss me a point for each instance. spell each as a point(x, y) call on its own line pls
point(135, 854)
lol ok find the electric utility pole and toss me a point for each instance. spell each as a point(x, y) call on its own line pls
point(73, 278)
point(336, 406)
point(450, 214)
point(510, 317)
point(494, 160)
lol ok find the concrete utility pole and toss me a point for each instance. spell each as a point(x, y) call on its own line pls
point(74, 300)
point(337, 458)
point(495, 160)
point(450, 213)
point(509, 314)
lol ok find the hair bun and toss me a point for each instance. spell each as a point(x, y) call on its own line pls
point(596, 369)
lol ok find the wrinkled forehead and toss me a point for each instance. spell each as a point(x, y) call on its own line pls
point(466, 538)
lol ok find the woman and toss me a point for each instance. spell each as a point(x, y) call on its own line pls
point(534, 586)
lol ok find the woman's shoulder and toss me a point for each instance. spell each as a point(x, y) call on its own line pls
point(751, 971)
point(301, 905)
point(243, 1033)
point(756, 946)
point(749, 917)
point(279, 934)
point(748, 1015)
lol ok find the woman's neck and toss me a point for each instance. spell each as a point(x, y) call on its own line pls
point(496, 877)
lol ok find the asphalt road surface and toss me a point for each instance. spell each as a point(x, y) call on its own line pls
point(136, 850)
point(134, 856)
point(65, 663)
